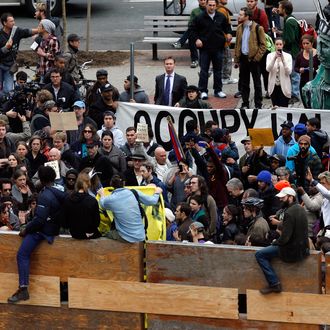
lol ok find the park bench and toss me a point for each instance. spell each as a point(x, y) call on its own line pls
point(189, 286)
point(164, 30)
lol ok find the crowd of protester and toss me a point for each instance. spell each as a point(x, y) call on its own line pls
point(212, 194)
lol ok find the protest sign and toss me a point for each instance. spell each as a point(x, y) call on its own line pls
point(63, 121)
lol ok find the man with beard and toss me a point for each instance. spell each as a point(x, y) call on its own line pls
point(304, 160)
point(291, 246)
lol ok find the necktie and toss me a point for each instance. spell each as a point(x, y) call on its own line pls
point(167, 91)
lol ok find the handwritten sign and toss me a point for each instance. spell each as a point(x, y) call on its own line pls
point(142, 133)
point(63, 121)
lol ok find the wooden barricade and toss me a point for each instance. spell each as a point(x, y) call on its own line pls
point(91, 259)
point(223, 266)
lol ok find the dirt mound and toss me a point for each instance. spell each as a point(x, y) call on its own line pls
point(108, 58)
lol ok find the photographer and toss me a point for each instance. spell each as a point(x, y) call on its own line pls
point(21, 101)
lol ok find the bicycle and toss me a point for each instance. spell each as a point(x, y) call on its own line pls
point(84, 84)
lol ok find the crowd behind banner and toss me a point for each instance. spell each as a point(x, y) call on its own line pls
point(216, 183)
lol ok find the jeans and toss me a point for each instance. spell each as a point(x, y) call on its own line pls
point(227, 64)
point(264, 256)
point(206, 57)
point(295, 81)
point(6, 79)
point(30, 242)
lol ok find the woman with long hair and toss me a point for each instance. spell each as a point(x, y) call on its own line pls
point(34, 156)
point(231, 217)
point(82, 215)
point(87, 135)
point(20, 190)
point(13, 162)
point(22, 150)
point(302, 62)
point(116, 156)
point(279, 66)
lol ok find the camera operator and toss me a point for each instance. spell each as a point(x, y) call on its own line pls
point(304, 160)
point(63, 93)
point(20, 101)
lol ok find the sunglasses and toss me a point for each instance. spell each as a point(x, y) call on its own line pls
point(87, 131)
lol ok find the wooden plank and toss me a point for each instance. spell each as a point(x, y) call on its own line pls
point(66, 257)
point(43, 290)
point(226, 266)
point(288, 307)
point(327, 271)
point(32, 317)
point(165, 322)
point(153, 298)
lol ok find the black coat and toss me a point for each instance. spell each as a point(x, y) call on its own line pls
point(293, 242)
point(82, 215)
point(211, 32)
point(66, 95)
point(178, 90)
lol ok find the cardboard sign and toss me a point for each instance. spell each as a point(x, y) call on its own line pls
point(56, 168)
point(63, 121)
point(142, 133)
point(261, 137)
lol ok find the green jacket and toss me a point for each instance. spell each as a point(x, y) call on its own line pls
point(195, 12)
point(291, 36)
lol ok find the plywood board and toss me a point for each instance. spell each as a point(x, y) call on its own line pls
point(43, 290)
point(166, 322)
point(288, 307)
point(153, 298)
point(21, 317)
point(226, 266)
point(100, 258)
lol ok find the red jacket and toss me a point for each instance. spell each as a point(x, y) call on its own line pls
point(261, 18)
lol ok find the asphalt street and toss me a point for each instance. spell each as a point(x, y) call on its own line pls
point(114, 25)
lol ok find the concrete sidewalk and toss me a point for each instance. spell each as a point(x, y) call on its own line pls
point(146, 70)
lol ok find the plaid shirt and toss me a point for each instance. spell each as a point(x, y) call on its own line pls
point(51, 47)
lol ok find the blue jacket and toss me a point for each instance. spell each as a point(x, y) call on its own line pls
point(281, 147)
point(47, 216)
point(293, 151)
point(126, 211)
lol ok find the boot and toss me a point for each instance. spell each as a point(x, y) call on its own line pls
point(277, 288)
point(21, 294)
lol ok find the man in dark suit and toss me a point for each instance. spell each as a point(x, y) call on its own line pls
point(170, 86)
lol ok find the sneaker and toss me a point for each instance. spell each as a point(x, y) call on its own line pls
point(238, 95)
point(194, 64)
point(204, 96)
point(220, 94)
point(229, 81)
point(21, 294)
point(176, 45)
point(270, 289)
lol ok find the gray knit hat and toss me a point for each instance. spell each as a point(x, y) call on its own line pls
point(48, 25)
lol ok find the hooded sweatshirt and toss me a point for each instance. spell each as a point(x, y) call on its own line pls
point(82, 215)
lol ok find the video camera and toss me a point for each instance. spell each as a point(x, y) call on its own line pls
point(22, 99)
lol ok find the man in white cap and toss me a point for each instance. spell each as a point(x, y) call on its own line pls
point(291, 246)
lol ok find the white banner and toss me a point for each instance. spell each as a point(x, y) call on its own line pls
point(237, 121)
